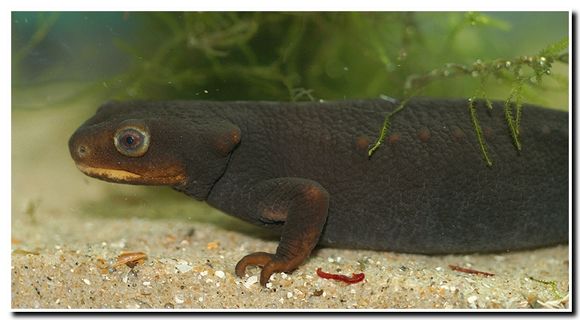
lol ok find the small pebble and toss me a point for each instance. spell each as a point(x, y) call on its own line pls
point(220, 274)
point(179, 299)
point(120, 244)
point(87, 281)
point(213, 245)
point(251, 280)
point(469, 280)
point(183, 267)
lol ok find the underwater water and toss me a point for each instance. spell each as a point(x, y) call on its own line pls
point(280, 56)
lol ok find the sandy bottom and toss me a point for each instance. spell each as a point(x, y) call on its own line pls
point(71, 233)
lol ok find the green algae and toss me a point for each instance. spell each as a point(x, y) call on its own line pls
point(522, 72)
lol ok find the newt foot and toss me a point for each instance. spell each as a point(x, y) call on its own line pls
point(267, 261)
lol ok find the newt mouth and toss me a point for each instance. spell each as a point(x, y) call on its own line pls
point(123, 176)
point(109, 174)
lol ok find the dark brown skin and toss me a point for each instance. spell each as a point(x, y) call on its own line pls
point(303, 169)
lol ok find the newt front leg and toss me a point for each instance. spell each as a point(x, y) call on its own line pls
point(301, 205)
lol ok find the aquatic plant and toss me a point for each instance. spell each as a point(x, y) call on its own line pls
point(521, 72)
point(277, 56)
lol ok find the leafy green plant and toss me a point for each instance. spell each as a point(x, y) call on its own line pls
point(521, 72)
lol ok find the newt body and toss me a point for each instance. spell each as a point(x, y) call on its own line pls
point(303, 169)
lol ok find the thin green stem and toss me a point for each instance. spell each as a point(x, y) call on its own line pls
point(386, 126)
point(478, 131)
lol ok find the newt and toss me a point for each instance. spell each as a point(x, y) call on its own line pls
point(303, 170)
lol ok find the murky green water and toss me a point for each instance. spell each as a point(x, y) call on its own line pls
point(273, 56)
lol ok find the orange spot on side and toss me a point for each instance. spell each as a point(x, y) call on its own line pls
point(457, 133)
point(394, 138)
point(487, 132)
point(362, 143)
point(424, 134)
point(545, 129)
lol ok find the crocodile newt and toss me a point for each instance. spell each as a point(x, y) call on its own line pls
point(303, 170)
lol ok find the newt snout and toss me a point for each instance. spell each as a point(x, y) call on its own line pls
point(78, 150)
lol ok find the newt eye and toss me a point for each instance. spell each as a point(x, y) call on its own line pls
point(132, 141)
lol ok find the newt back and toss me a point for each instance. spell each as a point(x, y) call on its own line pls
point(427, 189)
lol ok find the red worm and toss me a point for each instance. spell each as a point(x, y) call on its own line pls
point(460, 269)
point(356, 277)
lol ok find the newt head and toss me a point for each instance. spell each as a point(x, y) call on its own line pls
point(152, 144)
